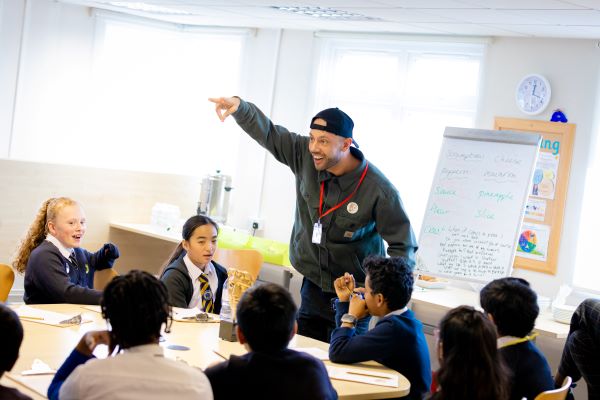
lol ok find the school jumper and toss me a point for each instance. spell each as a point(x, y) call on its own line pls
point(285, 374)
point(396, 341)
point(51, 278)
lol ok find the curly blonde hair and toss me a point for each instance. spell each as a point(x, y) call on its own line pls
point(39, 229)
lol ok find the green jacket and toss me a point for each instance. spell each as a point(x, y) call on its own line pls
point(347, 238)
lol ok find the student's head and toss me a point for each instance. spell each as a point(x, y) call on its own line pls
point(61, 217)
point(136, 306)
point(470, 365)
point(511, 304)
point(199, 241)
point(388, 285)
point(330, 137)
point(11, 336)
point(266, 317)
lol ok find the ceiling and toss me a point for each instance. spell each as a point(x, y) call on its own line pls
point(519, 18)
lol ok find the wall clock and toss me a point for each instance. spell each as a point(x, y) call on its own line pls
point(533, 94)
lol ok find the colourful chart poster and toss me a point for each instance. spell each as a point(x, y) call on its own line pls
point(544, 177)
point(533, 241)
point(535, 209)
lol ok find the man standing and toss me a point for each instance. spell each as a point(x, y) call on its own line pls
point(345, 206)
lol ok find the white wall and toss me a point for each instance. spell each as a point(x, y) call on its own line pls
point(279, 75)
point(573, 69)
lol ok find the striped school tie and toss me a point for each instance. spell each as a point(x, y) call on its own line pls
point(73, 260)
point(206, 294)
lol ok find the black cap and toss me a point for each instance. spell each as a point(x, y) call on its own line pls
point(338, 123)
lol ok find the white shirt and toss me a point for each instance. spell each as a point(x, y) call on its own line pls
point(65, 251)
point(141, 372)
point(374, 320)
point(195, 272)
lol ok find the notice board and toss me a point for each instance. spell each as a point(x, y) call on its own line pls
point(539, 239)
point(473, 216)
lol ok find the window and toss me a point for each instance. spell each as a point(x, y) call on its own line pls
point(141, 102)
point(401, 96)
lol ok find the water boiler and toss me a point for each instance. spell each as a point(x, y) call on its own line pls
point(214, 196)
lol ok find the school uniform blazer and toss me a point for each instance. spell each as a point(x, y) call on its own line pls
point(180, 287)
point(51, 278)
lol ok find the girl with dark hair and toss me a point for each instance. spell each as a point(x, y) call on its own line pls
point(470, 365)
point(192, 278)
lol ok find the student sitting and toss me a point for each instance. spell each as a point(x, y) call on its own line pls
point(266, 316)
point(191, 277)
point(11, 336)
point(396, 339)
point(57, 269)
point(470, 365)
point(135, 306)
point(512, 306)
point(581, 355)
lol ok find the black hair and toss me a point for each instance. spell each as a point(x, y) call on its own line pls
point(136, 306)
point(187, 231)
point(11, 336)
point(471, 366)
point(392, 277)
point(512, 304)
point(266, 315)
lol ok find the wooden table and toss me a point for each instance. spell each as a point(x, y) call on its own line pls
point(53, 344)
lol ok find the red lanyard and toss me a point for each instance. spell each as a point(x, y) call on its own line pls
point(332, 209)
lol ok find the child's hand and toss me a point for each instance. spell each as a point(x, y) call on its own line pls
point(90, 340)
point(358, 305)
point(227, 104)
point(344, 287)
point(111, 251)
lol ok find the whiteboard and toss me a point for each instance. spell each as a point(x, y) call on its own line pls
point(476, 204)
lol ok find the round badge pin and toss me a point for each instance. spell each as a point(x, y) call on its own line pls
point(207, 296)
point(352, 207)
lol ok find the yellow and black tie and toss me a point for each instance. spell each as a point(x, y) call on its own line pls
point(206, 294)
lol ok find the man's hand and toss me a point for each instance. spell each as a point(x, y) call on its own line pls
point(344, 286)
point(225, 106)
point(90, 340)
point(358, 305)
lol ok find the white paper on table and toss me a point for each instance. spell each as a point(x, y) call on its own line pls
point(189, 314)
point(363, 376)
point(38, 367)
point(32, 314)
point(315, 352)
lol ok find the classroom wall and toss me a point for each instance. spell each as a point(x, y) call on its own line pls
point(278, 75)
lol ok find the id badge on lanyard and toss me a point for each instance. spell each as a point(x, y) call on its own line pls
point(317, 232)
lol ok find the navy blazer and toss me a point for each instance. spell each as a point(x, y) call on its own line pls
point(179, 283)
point(51, 278)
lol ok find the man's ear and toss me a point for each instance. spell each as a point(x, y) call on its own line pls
point(185, 245)
point(347, 144)
point(490, 317)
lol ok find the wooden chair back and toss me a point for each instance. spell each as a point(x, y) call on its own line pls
point(556, 394)
point(103, 277)
point(242, 259)
point(7, 278)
